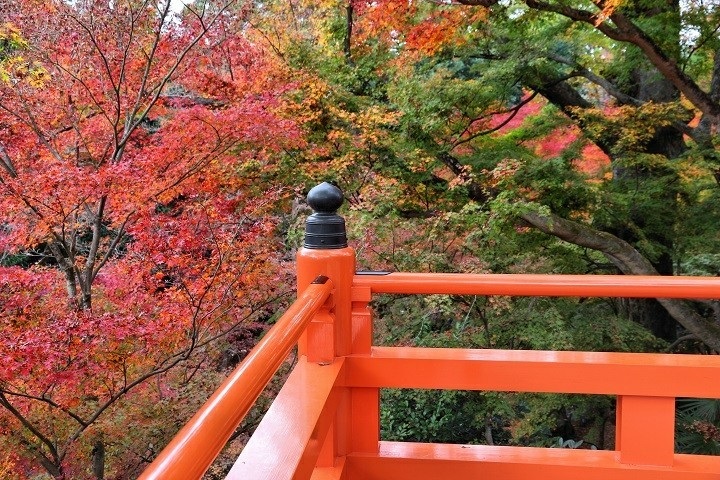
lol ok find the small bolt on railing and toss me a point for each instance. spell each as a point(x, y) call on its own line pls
point(324, 423)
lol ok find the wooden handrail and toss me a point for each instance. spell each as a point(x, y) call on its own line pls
point(194, 448)
point(628, 286)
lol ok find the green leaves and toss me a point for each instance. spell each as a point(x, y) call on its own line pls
point(442, 416)
point(698, 421)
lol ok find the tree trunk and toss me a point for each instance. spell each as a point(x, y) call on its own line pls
point(668, 142)
point(649, 313)
point(647, 86)
point(347, 41)
point(59, 251)
point(98, 460)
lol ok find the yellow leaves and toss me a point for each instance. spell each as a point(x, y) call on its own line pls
point(418, 161)
point(318, 109)
point(10, 38)
point(464, 177)
point(377, 116)
point(346, 140)
point(633, 127)
point(504, 170)
point(695, 170)
point(338, 136)
point(315, 106)
point(369, 126)
point(307, 105)
point(14, 68)
point(9, 468)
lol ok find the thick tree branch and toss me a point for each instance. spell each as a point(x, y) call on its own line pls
point(630, 262)
point(602, 82)
point(6, 162)
point(5, 403)
point(667, 66)
point(54, 468)
point(568, 100)
point(59, 251)
point(704, 128)
point(91, 259)
point(13, 392)
point(475, 191)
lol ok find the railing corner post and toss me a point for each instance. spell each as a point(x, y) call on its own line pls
point(326, 252)
point(329, 334)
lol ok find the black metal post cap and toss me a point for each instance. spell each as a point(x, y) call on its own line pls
point(325, 229)
point(325, 198)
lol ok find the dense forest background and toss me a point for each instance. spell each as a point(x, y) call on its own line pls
point(154, 159)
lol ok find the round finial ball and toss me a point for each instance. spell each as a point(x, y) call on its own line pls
point(325, 198)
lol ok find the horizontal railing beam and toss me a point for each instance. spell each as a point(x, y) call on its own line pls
point(626, 286)
point(428, 461)
point(194, 448)
point(600, 373)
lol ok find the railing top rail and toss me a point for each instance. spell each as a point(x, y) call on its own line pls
point(637, 286)
point(195, 447)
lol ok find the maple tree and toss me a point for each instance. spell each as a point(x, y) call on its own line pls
point(594, 123)
point(133, 231)
point(494, 127)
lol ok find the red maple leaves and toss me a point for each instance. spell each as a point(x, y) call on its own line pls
point(123, 130)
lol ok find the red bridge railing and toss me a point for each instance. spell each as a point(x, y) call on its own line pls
point(194, 448)
point(324, 423)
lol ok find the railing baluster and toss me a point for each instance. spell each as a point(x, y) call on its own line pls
point(365, 419)
point(645, 430)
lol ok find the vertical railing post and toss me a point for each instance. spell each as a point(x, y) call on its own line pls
point(365, 401)
point(329, 335)
point(645, 430)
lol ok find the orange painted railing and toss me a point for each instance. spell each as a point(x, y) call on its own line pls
point(542, 285)
point(195, 447)
point(324, 423)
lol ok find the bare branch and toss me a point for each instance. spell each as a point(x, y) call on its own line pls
point(512, 111)
point(701, 42)
point(100, 53)
point(30, 122)
point(680, 340)
point(44, 399)
point(138, 112)
point(31, 427)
